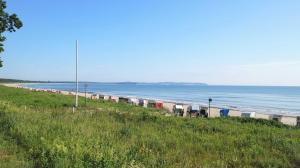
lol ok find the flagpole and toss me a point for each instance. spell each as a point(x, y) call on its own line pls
point(76, 99)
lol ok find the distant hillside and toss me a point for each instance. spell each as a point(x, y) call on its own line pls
point(2, 80)
point(182, 83)
point(156, 83)
point(14, 81)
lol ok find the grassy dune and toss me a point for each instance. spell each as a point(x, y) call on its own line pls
point(40, 130)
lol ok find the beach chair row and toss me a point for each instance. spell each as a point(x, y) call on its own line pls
point(187, 110)
point(184, 110)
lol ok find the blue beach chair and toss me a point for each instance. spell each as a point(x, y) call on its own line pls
point(224, 112)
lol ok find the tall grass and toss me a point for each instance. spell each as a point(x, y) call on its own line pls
point(105, 134)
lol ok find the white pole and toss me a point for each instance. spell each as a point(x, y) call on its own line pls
point(76, 103)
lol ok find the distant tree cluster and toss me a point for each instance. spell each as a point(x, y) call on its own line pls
point(8, 23)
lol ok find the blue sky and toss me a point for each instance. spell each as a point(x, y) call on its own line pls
point(236, 42)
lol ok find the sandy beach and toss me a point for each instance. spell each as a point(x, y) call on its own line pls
point(169, 105)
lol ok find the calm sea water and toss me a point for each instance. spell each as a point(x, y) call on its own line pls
point(275, 100)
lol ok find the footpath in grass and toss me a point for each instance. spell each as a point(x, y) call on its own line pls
point(45, 132)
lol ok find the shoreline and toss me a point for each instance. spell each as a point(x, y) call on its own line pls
point(214, 111)
point(244, 107)
point(89, 94)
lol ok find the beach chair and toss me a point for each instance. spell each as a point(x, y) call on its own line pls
point(114, 99)
point(276, 118)
point(101, 97)
point(134, 101)
point(159, 105)
point(106, 97)
point(224, 112)
point(123, 100)
point(194, 111)
point(203, 112)
point(145, 103)
point(151, 104)
point(178, 110)
point(95, 96)
point(141, 102)
point(248, 115)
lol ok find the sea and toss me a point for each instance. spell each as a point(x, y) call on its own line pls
point(263, 99)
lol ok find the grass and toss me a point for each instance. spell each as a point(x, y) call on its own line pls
point(11, 155)
point(40, 130)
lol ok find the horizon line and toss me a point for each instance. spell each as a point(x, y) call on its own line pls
point(120, 82)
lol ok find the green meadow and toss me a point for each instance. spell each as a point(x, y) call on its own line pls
point(40, 130)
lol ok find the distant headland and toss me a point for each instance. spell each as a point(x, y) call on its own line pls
point(4, 80)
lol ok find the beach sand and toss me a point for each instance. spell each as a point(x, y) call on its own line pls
point(14, 85)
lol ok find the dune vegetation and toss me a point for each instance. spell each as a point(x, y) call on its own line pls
point(39, 129)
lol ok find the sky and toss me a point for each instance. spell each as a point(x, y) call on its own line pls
point(234, 42)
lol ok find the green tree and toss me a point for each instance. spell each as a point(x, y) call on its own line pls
point(8, 23)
